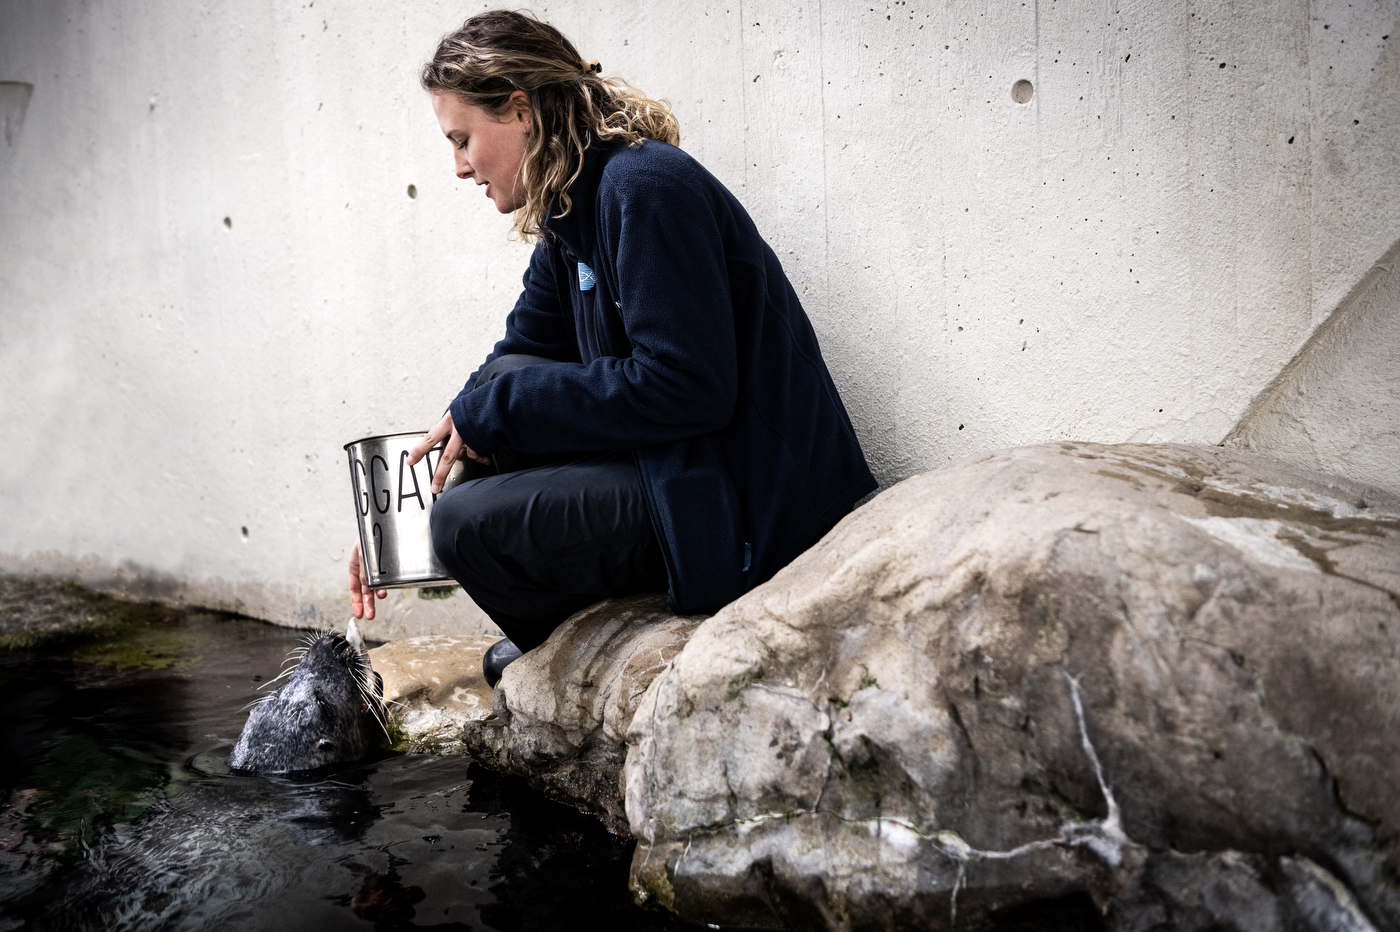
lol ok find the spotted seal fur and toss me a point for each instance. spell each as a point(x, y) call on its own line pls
point(329, 711)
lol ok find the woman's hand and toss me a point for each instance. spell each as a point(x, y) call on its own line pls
point(454, 451)
point(361, 595)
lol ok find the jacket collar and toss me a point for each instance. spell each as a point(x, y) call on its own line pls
point(577, 231)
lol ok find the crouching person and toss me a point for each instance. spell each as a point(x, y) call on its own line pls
point(658, 415)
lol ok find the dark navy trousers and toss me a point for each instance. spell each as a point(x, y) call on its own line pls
point(534, 543)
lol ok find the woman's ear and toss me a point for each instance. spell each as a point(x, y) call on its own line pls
point(518, 105)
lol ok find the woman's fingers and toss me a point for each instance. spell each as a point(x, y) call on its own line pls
point(358, 585)
point(361, 596)
point(449, 456)
point(453, 451)
point(432, 438)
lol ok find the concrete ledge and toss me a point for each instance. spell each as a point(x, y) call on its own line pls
point(406, 613)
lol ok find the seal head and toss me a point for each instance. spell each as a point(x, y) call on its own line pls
point(329, 711)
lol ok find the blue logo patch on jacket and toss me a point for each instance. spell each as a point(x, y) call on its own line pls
point(586, 278)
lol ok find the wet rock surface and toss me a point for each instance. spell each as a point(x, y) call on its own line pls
point(561, 711)
point(38, 612)
point(1067, 686)
point(433, 685)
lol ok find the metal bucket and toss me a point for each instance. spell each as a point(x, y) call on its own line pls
point(392, 503)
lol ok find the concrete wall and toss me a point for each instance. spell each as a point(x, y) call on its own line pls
point(212, 274)
point(1336, 406)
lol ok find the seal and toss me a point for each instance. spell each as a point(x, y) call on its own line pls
point(329, 711)
point(204, 856)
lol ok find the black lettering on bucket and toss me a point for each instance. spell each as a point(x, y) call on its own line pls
point(375, 489)
point(412, 474)
point(361, 496)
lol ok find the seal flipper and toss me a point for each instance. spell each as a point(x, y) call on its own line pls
point(372, 679)
point(352, 635)
point(357, 641)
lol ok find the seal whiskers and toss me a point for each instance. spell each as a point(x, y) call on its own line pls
point(328, 710)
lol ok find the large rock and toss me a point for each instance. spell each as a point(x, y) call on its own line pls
point(1161, 678)
point(1050, 687)
point(563, 709)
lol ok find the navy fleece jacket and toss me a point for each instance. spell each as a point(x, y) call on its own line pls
point(694, 353)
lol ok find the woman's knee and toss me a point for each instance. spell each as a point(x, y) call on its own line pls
point(449, 524)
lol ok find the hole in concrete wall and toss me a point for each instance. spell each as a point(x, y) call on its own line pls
point(1022, 91)
point(244, 531)
point(14, 103)
point(228, 223)
point(412, 190)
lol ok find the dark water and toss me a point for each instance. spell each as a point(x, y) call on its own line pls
point(119, 813)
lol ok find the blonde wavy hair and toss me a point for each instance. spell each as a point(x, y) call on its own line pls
point(502, 51)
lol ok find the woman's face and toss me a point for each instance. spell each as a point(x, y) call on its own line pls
point(488, 149)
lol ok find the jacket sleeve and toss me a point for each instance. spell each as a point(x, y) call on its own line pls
point(538, 325)
point(663, 242)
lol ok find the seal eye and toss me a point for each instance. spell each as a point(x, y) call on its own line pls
point(327, 747)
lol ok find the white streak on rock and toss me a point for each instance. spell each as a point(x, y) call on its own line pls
point(1257, 538)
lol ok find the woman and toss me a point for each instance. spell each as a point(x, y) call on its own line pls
point(657, 363)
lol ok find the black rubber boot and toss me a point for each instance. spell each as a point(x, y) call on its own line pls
point(497, 657)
